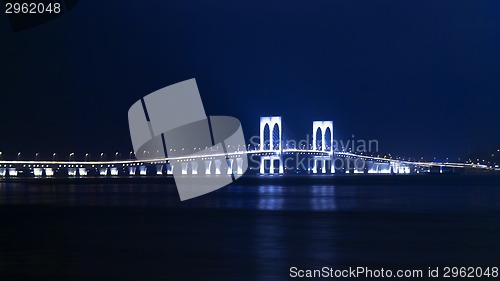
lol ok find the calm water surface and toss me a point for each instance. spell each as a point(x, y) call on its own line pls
point(143, 232)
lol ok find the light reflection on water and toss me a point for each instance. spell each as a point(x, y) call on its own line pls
point(270, 197)
point(243, 232)
point(322, 198)
point(265, 197)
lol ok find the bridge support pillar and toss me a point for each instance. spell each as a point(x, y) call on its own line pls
point(217, 166)
point(72, 172)
point(82, 172)
point(208, 163)
point(49, 172)
point(280, 166)
point(170, 169)
point(114, 171)
point(3, 172)
point(315, 167)
point(159, 169)
point(38, 172)
point(271, 160)
point(103, 171)
point(194, 168)
point(12, 172)
point(239, 165)
point(369, 167)
point(131, 171)
point(143, 170)
point(323, 165)
point(230, 166)
point(184, 166)
point(383, 168)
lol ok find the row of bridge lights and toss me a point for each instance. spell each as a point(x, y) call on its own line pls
point(103, 155)
point(71, 155)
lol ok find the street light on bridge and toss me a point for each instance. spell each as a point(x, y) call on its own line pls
point(18, 156)
point(71, 154)
point(36, 156)
point(86, 156)
point(54, 156)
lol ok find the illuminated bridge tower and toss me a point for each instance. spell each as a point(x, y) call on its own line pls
point(323, 141)
point(272, 145)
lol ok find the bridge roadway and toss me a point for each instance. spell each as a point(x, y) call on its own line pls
point(212, 162)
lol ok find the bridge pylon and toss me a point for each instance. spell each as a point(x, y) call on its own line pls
point(321, 145)
point(272, 145)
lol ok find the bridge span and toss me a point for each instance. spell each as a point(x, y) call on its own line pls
point(340, 162)
point(267, 158)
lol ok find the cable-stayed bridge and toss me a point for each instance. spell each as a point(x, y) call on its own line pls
point(271, 156)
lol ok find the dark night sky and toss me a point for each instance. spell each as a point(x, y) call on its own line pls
point(422, 77)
